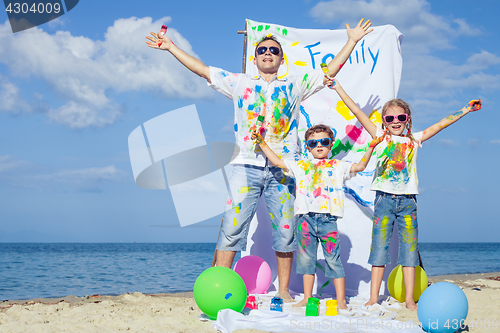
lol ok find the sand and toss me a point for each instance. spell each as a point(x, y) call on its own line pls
point(179, 313)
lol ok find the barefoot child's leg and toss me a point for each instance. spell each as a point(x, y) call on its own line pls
point(377, 276)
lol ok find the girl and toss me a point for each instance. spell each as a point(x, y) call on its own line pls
point(396, 184)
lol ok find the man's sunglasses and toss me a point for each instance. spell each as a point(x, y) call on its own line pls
point(325, 142)
point(273, 49)
point(403, 117)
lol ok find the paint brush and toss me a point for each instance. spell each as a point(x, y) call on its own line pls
point(163, 31)
point(325, 69)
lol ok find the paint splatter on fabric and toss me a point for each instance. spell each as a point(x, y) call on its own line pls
point(396, 169)
point(271, 107)
point(330, 240)
point(319, 185)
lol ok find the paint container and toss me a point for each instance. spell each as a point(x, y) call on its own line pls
point(312, 307)
point(251, 303)
point(332, 308)
point(276, 304)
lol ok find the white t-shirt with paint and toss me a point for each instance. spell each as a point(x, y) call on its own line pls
point(396, 169)
point(319, 185)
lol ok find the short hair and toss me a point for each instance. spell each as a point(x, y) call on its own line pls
point(269, 37)
point(319, 129)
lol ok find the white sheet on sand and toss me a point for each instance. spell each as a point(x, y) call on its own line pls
point(357, 318)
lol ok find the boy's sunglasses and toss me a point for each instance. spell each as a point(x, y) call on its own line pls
point(325, 142)
point(403, 117)
point(273, 49)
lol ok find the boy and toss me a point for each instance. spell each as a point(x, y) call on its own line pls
point(319, 202)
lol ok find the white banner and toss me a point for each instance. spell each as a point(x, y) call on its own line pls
point(371, 77)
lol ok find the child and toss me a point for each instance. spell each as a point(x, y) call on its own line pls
point(319, 202)
point(396, 184)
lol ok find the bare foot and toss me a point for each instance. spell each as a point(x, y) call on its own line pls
point(342, 304)
point(411, 306)
point(371, 302)
point(301, 303)
point(286, 297)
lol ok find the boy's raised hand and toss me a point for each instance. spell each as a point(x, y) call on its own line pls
point(360, 31)
point(474, 105)
point(159, 41)
point(377, 140)
point(257, 137)
point(329, 82)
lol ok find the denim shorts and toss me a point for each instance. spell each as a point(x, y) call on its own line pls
point(247, 183)
point(314, 228)
point(389, 208)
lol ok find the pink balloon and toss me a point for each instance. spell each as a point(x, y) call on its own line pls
point(256, 274)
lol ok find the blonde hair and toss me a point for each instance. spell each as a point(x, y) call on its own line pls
point(406, 108)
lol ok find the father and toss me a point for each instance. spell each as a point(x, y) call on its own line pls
point(272, 106)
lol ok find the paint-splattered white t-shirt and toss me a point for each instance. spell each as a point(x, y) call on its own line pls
point(276, 102)
point(396, 170)
point(319, 185)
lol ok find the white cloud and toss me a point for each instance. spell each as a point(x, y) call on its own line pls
point(12, 102)
point(81, 71)
point(448, 142)
point(495, 142)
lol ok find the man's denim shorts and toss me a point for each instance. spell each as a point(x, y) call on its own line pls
point(314, 228)
point(247, 183)
point(389, 208)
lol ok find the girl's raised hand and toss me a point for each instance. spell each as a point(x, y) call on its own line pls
point(474, 105)
point(360, 31)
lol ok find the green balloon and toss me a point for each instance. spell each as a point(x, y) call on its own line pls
point(219, 288)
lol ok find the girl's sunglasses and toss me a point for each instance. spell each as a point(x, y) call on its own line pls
point(403, 117)
point(273, 49)
point(325, 142)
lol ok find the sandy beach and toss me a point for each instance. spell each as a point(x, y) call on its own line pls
point(179, 313)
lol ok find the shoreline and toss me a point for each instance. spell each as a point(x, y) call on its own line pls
point(458, 279)
point(178, 312)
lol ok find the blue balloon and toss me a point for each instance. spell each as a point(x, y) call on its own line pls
point(442, 307)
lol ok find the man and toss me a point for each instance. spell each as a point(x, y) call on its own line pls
point(272, 106)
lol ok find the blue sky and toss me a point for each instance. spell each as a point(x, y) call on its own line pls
point(73, 89)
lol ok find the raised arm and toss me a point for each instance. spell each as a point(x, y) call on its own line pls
point(162, 42)
point(354, 35)
point(473, 105)
point(362, 117)
point(361, 165)
point(269, 153)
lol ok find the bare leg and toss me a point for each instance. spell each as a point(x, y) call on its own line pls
point(308, 289)
point(340, 289)
point(409, 278)
point(225, 258)
point(376, 282)
point(284, 260)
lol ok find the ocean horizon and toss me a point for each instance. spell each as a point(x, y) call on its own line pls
point(49, 270)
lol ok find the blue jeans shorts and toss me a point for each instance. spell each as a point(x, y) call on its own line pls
point(247, 183)
point(401, 208)
point(314, 228)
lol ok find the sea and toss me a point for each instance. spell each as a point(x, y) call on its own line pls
point(51, 270)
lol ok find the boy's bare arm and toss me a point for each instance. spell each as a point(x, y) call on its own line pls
point(361, 165)
point(473, 105)
point(162, 42)
point(362, 117)
point(355, 35)
point(275, 160)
